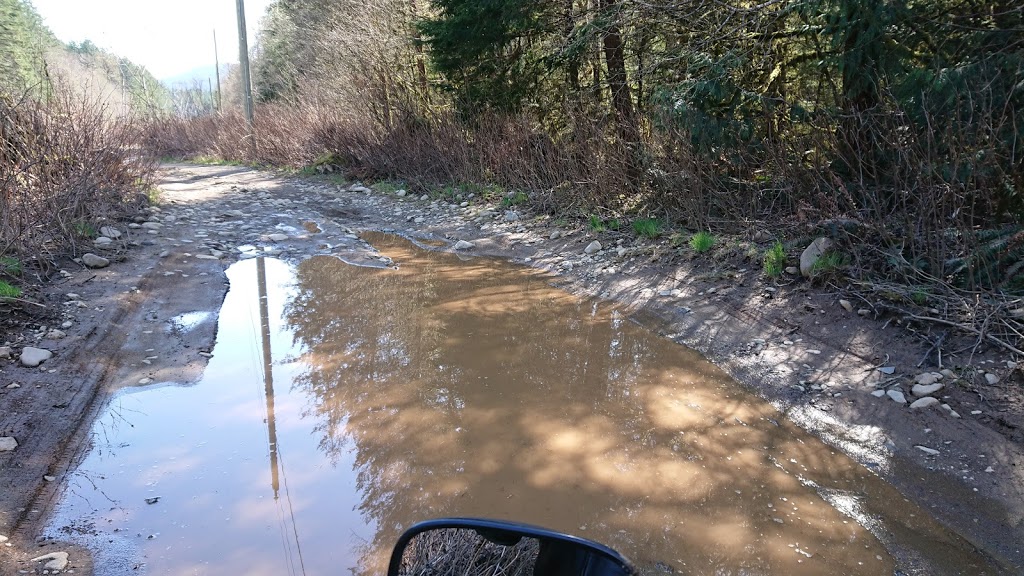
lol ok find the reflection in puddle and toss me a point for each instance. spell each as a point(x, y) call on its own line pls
point(448, 388)
point(189, 320)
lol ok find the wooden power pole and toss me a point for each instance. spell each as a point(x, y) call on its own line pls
point(243, 61)
point(216, 63)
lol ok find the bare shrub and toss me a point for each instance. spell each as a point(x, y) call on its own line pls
point(67, 165)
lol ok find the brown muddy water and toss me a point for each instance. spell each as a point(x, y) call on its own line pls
point(372, 398)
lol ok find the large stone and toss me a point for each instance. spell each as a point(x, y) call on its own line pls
point(812, 254)
point(928, 378)
point(896, 396)
point(110, 232)
point(463, 245)
point(920, 390)
point(593, 247)
point(93, 261)
point(33, 357)
point(924, 402)
point(54, 560)
point(7, 443)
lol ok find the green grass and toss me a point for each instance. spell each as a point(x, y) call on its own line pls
point(514, 200)
point(919, 296)
point(775, 260)
point(10, 266)
point(9, 291)
point(215, 161)
point(647, 227)
point(830, 263)
point(596, 223)
point(702, 242)
point(85, 230)
point(387, 187)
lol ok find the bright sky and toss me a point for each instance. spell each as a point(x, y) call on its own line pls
point(169, 37)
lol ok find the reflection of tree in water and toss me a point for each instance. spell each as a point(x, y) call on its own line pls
point(428, 371)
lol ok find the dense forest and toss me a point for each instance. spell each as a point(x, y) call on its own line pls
point(896, 121)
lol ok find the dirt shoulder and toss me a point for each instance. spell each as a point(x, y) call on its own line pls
point(151, 316)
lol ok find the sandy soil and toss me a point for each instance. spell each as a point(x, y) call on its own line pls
point(789, 341)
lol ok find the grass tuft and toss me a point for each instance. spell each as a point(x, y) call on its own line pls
point(775, 260)
point(647, 227)
point(9, 291)
point(702, 242)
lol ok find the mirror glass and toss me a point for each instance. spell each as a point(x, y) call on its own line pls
point(482, 552)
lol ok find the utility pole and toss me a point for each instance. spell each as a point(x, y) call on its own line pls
point(216, 63)
point(243, 61)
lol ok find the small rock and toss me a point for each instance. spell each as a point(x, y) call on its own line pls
point(277, 237)
point(991, 378)
point(592, 248)
point(102, 241)
point(33, 357)
point(846, 305)
point(863, 312)
point(5, 352)
point(947, 373)
point(55, 334)
point(206, 257)
point(401, 193)
point(878, 393)
point(989, 470)
point(7, 443)
point(54, 560)
point(920, 390)
point(897, 396)
point(49, 478)
point(425, 197)
point(928, 378)
point(888, 370)
point(555, 235)
point(1011, 364)
point(924, 402)
point(418, 220)
point(512, 216)
point(792, 270)
point(811, 254)
point(463, 245)
point(67, 324)
point(927, 450)
point(93, 261)
point(152, 225)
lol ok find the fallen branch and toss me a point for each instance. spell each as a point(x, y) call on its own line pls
point(971, 329)
point(10, 299)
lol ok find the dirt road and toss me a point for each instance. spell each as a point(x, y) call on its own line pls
point(151, 316)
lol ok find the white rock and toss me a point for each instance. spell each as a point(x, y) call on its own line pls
point(463, 245)
point(846, 305)
point(7, 443)
point(926, 389)
point(593, 247)
point(5, 352)
point(947, 373)
point(277, 237)
point(924, 402)
point(555, 235)
point(54, 560)
point(1011, 364)
point(33, 357)
point(812, 253)
point(55, 334)
point(401, 193)
point(928, 378)
point(512, 216)
point(152, 225)
point(67, 324)
point(927, 450)
point(792, 270)
point(425, 197)
point(991, 378)
point(863, 312)
point(896, 396)
point(102, 241)
point(878, 393)
point(93, 261)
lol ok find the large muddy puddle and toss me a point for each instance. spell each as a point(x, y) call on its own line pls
point(354, 401)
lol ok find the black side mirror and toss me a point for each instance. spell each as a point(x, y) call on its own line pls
point(479, 547)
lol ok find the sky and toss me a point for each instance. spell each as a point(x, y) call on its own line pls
point(169, 37)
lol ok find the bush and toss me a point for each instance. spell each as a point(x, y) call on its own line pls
point(66, 166)
point(647, 227)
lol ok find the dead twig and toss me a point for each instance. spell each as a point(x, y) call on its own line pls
point(970, 329)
